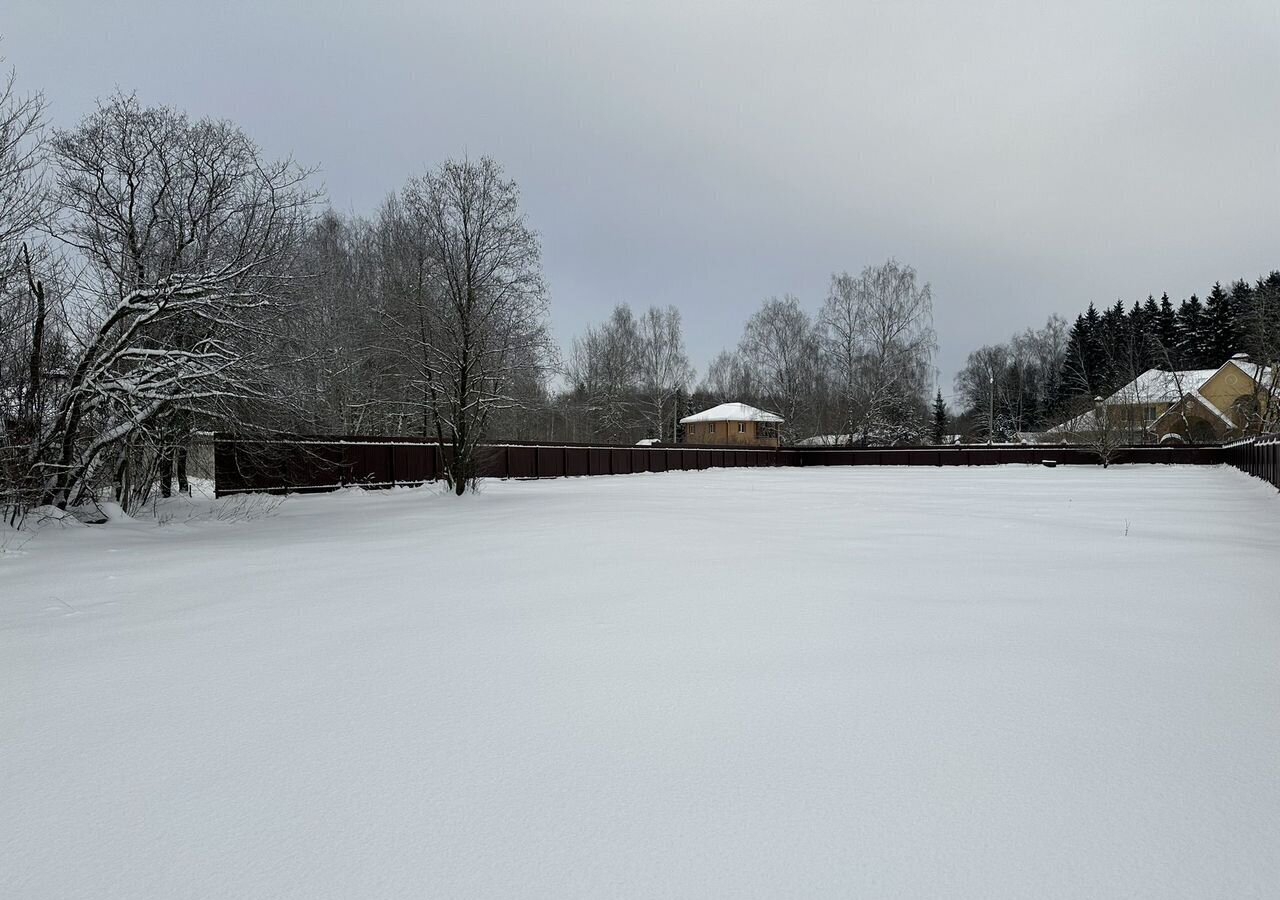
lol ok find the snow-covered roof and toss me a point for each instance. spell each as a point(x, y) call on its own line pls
point(732, 412)
point(828, 440)
point(648, 442)
point(1159, 386)
point(1152, 386)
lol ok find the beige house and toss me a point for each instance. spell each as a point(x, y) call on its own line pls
point(1134, 408)
point(733, 424)
point(1196, 406)
point(1238, 398)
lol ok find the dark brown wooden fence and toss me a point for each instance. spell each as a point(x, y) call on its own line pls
point(324, 463)
point(1259, 457)
point(978, 455)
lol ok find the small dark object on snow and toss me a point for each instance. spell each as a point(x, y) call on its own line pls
point(1048, 463)
point(89, 515)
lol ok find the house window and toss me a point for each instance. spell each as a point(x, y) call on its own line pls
point(711, 428)
point(742, 428)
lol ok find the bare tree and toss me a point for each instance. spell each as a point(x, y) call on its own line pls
point(28, 338)
point(729, 379)
point(604, 375)
point(187, 236)
point(781, 346)
point(663, 366)
point(343, 374)
point(1100, 432)
point(1260, 322)
point(473, 324)
point(879, 341)
point(979, 384)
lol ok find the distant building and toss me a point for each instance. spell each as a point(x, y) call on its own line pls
point(1195, 405)
point(736, 424)
point(1227, 404)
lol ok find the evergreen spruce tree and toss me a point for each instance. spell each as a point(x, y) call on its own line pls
point(1093, 350)
point(1235, 330)
point(1167, 334)
point(1219, 329)
point(1150, 313)
point(1142, 327)
point(1073, 379)
point(939, 419)
point(1114, 340)
point(1192, 350)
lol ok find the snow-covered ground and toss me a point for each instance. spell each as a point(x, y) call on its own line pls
point(999, 682)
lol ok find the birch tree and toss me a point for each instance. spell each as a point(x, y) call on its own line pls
point(781, 346)
point(663, 367)
point(880, 341)
point(729, 379)
point(604, 372)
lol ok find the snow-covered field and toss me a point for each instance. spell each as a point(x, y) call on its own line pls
point(1003, 682)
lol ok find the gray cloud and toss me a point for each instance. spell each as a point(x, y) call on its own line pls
point(1026, 158)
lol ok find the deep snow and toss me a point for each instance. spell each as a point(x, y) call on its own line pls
point(839, 682)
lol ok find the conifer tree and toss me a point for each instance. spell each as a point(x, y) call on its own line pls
point(1234, 328)
point(1191, 333)
point(1166, 330)
point(1114, 339)
point(939, 419)
point(1219, 343)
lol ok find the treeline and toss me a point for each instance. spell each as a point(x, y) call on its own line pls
point(859, 372)
point(1042, 377)
point(162, 276)
point(860, 369)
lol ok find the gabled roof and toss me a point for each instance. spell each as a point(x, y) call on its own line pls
point(732, 412)
point(1259, 374)
point(1199, 398)
point(1159, 386)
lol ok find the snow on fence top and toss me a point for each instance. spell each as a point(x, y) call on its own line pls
point(732, 412)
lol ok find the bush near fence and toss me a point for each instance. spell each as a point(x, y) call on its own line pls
point(308, 463)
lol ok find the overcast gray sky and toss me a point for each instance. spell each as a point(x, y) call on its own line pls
point(1026, 158)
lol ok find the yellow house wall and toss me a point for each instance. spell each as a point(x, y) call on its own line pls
point(1135, 417)
point(726, 433)
point(1226, 387)
point(1223, 389)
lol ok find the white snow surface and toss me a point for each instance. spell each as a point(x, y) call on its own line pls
point(845, 682)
